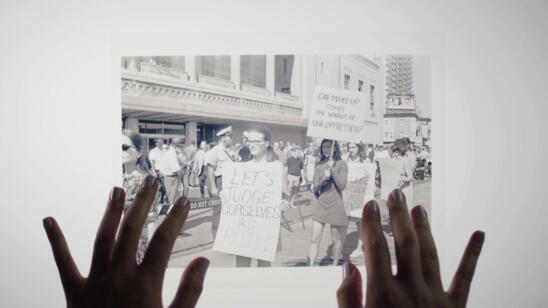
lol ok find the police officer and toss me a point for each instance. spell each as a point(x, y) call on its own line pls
point(215, 159)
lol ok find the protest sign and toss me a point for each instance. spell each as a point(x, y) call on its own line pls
point(337, 114)
point(353, 194)
point(250, 210)
point(391, 175)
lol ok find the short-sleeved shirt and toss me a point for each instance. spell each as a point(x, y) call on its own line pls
point(155, 156)
point(217, 156)
point(170, 162)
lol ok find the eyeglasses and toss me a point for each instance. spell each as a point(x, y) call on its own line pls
point(126, 147)
point(254, 141)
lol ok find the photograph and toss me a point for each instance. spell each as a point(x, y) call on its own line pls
point(278, 154)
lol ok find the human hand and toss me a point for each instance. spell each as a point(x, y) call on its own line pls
point(214, 192)
point(115, 279)
point(284, 206)
point(330, 162)
point(327, 174)
point(417, 282)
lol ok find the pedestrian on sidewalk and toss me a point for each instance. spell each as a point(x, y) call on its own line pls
point(199, 167)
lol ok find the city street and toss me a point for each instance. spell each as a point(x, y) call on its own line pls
point(196, 238)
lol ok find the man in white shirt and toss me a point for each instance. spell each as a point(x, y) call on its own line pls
point(170, 170)
point(155, 156)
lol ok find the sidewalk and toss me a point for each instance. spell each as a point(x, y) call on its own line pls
point(196, 238)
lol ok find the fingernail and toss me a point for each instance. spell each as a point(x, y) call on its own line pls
point(48, 223)
point(201, 267)
point(183, 202)
point(418, 213)
point(372, 207)
point(347, 270)
point(397, 195)
point(115, 194)
point(479, 237)
point(148, 182)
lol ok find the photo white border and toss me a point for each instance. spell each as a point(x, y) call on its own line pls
point(301, 287)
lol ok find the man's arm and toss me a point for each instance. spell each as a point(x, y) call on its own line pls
point(211, 178)
point(210, 162)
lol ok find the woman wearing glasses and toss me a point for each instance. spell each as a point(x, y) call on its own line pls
point(258, 141)
point(136, 167)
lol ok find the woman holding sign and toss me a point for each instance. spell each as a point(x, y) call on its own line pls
point(362, 169)
point(258, 141)
point(330, 176)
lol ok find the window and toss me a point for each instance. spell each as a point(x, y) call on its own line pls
point(253, 70)
point(360, 85)
point(283, 72)
point(214, 66)
point(372, 100)
point(161, 128)
point(346, 81)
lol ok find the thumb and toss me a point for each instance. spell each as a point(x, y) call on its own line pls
point(349, 294)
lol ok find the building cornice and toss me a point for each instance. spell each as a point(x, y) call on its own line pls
point(152, 93)
point(401, 115)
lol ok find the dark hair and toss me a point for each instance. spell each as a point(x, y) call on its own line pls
point(139, 143)
point(336, 150)
point(371, 155)
point(361, 151)
point(397, 150)
point(270, 155)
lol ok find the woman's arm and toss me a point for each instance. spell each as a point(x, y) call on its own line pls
point(408, 177)
point(317, 180)
point(340, 174)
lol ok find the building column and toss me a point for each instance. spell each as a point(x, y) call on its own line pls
point(132, 64)
point(308, 83)
point(190, 67)
point(191, 132)
point(132, 124)
point(271, 74)
point(296, 77)
point(235, 71)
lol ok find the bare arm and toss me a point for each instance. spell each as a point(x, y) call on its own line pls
point(211, 177)
point(408, 173)
point(340, 175)
point(317, 180)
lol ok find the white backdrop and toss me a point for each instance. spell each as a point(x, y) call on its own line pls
point(58, 114)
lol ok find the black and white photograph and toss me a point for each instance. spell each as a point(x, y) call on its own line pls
point(278, 154)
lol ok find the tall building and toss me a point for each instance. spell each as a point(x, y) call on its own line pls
point(195, 96)
point(399, 75)
point(400, 117)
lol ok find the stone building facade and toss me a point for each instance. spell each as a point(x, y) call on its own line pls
point(195, 96)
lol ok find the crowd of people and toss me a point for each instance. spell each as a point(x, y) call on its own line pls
point(114, 276)
point(324, 169)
